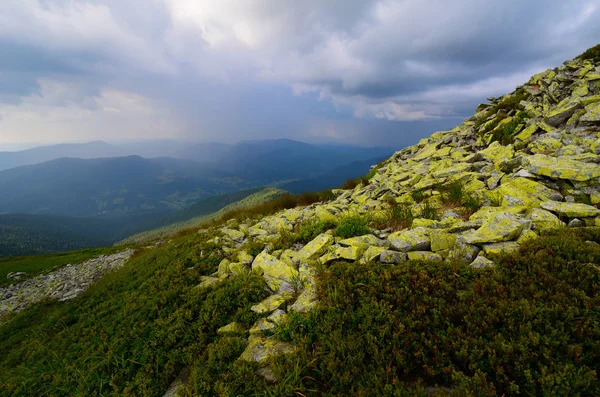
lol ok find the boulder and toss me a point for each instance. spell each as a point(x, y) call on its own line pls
point(416, 239)
point(270, 304)
point(231, 328)
point(507, 247)
point(373, 253)
point(261, 348)
point(441, 240)
point(315, 248)
point(482, 262)
point(544, 221)
point(498, 227)
point(561, 168)
point(393, 257)
point(571, 210)
point(424, 256)
point(234, 235)
point(273, 270)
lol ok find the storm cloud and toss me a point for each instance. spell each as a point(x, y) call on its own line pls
point(354, 71)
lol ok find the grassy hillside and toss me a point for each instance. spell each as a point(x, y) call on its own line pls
point(206, 211)
point(531, 324)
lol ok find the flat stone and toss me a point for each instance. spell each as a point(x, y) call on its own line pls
point(563, 111)
point(482, 262)
point(273, 270)
point(571, 210)
point(270, 304)
point(231, 328)
point(261, 348)
point(393, 257)
point(372, 253)
point(498, 227)
point(441, 240)
point(507, 247)
point(315, 248)
point(426, 256)
point(234, 235)
point(416, 239)
point(561, 168)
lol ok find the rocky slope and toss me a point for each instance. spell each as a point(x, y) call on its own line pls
point(523, 165)
point(62, 284)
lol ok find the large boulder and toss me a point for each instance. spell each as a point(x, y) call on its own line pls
point(273, 270)
point(571, 210)
point(315, 248)
point(498, 227)
point(561, 168)
point(416, 239)
point(261, 348)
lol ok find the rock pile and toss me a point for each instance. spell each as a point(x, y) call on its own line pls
point(528, 162)
point(63, 284)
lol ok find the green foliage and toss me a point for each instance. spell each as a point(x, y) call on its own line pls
point(352, 226)
point(472, 203)
point(508, 103)
point(583, 198)
point(34, 265)
point(352, 183)
point(430, 212)
point(418, 195)
point(453, 193)
point(531, 326)
point(506, 134)
point(592, 54)
point(311, 230)
point(398, 217)
point(132, 332)
point(495, 198)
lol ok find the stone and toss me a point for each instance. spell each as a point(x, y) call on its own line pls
point(416, 239)
point(571, 210)
point(231, 328)
point(507, 247)
point(365, 241)
point(563, 111)
point(273, 270)
point(561, 168)
point(392, 257)
point(372, 253)
point(234, 235)
point(223, 269)
point(262, 348)
point(498, 227)
point(424, 256)
point(523, 192)
point(238, 269)
point(544, 220)
point(576, 223)
point(267, 373)
point(306, 301)
point(206, 282)
point(349, 253)
point(527, 235)
point(277, 317)
point(245, 258)
point(463, 252)
point(482, 262)
point(261, 326)
point(592, 113)
point(270, 304)
point(315, 248)
point(441, 240)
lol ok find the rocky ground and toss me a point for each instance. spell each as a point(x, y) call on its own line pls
point(523, 165)
point(63, 284)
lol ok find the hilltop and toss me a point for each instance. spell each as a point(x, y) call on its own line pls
point(465, 265)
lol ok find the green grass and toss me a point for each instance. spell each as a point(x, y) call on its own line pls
point(506, 134)
point(34, 265)
point(311, 230)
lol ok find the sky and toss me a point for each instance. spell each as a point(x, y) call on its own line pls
point(360, 72)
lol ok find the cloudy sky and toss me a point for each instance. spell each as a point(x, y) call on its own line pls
point(354, 71)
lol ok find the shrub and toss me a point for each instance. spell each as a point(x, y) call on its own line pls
point(453, 193)
point(530, 326)
point(352, 226)
point(592, 54)
point(418, 195)
point(506, 134)
point(430, 212)
point(311, 230)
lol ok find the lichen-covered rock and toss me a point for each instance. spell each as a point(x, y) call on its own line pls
point(315, 248)
point(245, 258)
point(507, 247)
point(416, 239)
point(234, 235)
point(270, 304)
point(262, 325)
point(571, 210)
point(463, 252)
point(441, 240)
point(206, 282)
point(424, 256)
point(231, 328)
point(498, 227)
point(482, 262)
point(561, 168)
point(364, 241)
point(544, 221)
point(261, 348)
point(372, 253)
point(393, 257)
point(273, 270)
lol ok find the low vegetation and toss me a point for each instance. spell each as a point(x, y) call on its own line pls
point(592, 54)
point(530, 326)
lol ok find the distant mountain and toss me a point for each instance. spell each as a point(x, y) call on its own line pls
point(333, 178)
point(280, 159)
point(96, 149)
point(122, 185)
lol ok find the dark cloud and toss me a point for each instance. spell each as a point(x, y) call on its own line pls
point(357, 71)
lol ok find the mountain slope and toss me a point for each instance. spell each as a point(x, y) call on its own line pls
point(120, 185)
point(451, 272)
